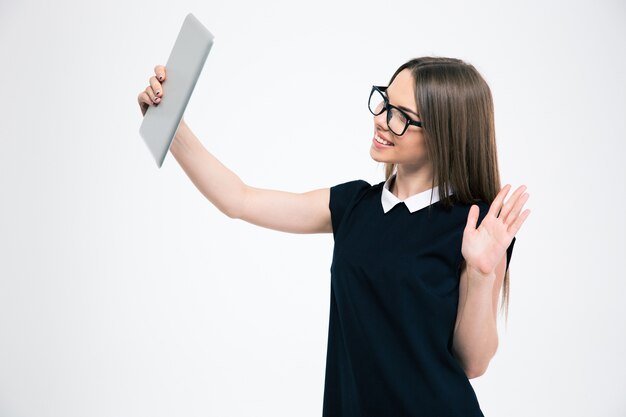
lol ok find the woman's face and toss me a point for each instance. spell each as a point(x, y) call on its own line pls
point(409, 148)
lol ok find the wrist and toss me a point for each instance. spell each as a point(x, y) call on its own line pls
point(478, 278)
point(181, 130)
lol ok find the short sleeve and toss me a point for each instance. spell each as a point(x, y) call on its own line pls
point(342, 196)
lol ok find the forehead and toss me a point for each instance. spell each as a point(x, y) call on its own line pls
point(401, 91)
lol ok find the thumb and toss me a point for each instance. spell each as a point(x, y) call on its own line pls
point(472, 217)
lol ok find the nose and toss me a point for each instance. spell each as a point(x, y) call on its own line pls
point(380, 122)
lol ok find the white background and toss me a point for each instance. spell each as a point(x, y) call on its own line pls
point(124, 292)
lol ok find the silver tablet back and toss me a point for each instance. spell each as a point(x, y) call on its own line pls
point(183, 67)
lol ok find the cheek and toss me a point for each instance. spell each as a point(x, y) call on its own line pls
point(415, 145)
point(413, 150)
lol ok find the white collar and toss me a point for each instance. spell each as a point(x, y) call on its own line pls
point(415, 202)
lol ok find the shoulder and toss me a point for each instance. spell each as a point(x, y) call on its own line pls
point(344, 197)
point(352, 185)
point(349, 190)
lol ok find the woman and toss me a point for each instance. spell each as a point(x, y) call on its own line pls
point(414, 286)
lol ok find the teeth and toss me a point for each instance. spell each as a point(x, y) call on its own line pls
point(380, 140)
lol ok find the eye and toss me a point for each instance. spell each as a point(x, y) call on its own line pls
point(399, 115)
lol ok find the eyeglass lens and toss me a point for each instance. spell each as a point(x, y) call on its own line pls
point(397, 122)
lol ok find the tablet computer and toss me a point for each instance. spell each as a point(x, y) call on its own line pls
point(183, 69)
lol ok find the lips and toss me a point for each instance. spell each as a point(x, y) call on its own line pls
point(383, 137)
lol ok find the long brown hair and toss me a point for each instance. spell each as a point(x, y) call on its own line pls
point(456, 108)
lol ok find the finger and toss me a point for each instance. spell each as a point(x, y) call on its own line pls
point(142, 105)
point(496, 205)
point(472, 217)
point(150, 93)
point(144, 102)
point(508, 206)
point(156, 86)
point(160, 72)
point(517, 224)
point(517, 208)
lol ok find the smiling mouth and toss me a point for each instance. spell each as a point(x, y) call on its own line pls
point(382, 141)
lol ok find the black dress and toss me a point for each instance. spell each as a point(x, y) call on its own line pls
point(394, 298)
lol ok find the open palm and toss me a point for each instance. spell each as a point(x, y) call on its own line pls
point(484, 247)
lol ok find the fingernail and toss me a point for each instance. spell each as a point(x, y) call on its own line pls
point(158, 92)
point(161, 77)
point(156, 100)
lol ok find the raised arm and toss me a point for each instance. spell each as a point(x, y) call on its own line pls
point(279, 210)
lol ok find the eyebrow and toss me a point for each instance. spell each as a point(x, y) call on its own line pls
point(404, 108)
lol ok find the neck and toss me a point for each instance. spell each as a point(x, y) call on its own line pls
point(409, 182)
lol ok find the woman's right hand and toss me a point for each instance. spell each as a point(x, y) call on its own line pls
point(153, 94)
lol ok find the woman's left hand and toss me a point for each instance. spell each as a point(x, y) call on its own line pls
point(483, 248)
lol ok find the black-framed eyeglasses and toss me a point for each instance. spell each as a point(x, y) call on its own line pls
point(397, 120)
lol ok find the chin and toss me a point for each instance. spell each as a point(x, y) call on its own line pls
point(376, 157)
point(373, 155)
